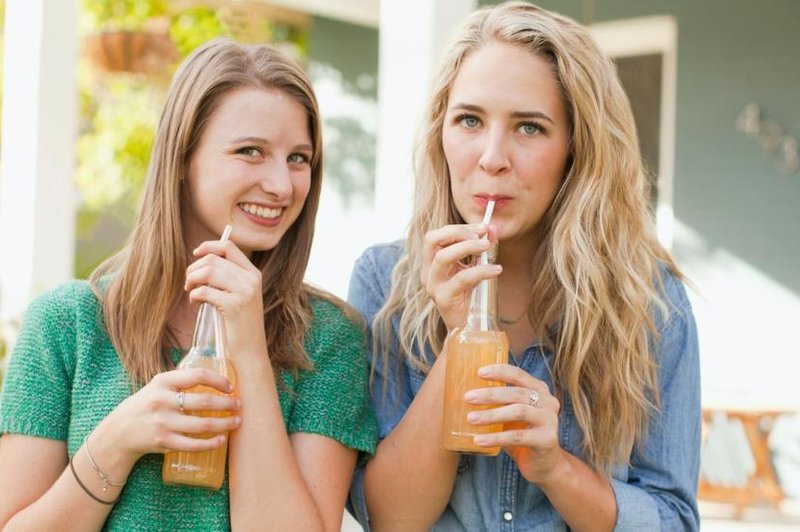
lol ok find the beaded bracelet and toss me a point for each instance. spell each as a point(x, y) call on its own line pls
point(106, 480)
point(82, 485)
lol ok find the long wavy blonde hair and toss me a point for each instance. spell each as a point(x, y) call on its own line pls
point(596, 273)
point(145, 279)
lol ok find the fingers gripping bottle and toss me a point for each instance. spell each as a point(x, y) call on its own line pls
point(480, 342)
point(203, 468)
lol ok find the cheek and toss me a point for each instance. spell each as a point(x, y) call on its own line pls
point(548, 167)
point(300, 186)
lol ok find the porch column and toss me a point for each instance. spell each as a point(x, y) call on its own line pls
point(413, 34)
point(37, 199)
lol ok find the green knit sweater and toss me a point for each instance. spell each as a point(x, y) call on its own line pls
point(64, 377)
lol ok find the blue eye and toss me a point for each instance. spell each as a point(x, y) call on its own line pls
point(469, 121)
point(530, 128)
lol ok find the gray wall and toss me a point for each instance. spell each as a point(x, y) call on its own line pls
point(730, 53)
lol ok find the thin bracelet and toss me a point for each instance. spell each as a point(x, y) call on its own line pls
point(89, 493)
point(106, 480)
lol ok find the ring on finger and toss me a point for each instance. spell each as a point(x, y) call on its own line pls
point(533, 398)
point(179, 399)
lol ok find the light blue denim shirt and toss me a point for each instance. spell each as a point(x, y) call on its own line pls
point(656, 491)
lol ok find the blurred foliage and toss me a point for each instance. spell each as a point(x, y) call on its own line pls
point(119, 111)
point(194, 26)
point(120, 14)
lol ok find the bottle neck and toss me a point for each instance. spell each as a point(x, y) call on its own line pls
point(482, 312)
point(209, 332)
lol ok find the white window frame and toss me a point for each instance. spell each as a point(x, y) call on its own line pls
point(644, 36)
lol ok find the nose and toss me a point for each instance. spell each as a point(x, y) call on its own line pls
point(494, 159)
point(276, 180)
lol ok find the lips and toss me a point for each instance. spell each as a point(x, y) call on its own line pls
point(499, 200)
point(267, 213)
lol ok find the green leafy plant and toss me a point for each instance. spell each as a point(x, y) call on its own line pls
point(121, 14)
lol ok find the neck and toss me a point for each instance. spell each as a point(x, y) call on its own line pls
point(514, 287)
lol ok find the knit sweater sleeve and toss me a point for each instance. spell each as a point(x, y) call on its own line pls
point(332, 399)
point(37, 388)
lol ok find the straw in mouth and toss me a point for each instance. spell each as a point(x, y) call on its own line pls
point(487, 217)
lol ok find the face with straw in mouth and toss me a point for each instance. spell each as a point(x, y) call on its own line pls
point(505, 138)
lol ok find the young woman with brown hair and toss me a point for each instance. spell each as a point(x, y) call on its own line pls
point(92, 383)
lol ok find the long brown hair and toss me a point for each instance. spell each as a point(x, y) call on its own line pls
point(145, 279)
point(597, 278)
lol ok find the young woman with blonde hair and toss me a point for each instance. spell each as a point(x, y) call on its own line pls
point(92, 399)
point(600, 406)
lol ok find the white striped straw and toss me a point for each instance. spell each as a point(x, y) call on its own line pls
point(484, 286)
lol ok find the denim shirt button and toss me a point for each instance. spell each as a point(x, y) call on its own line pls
point(508, 516)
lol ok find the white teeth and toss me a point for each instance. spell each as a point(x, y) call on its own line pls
point(261, 212)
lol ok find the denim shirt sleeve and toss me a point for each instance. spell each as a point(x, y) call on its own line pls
point(370, 284)
point(660, 492)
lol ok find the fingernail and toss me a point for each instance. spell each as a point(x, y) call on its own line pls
point(483, 372)
point(470, 396)
point(238, 420)
point(472, 417)
point(230, 387)
point(481, 440)
point(238, 403)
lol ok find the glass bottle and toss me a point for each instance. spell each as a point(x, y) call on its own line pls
point(203, 468)
point(480, 342)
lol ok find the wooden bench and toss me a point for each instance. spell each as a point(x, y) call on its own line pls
point(762, 484)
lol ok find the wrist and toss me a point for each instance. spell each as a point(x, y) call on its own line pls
point(109, 450)
point(560, 472)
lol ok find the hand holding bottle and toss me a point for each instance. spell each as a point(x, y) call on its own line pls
point(447, 272)
point(151, 420)
point(529, 414)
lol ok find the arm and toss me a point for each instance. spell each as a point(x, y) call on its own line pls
point(40, 492)
point(661, 488)
point(278, 483)
point(408, 483)
point(276, 480)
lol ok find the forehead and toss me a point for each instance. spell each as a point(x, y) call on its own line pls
point(507, 74)
point(258, 109)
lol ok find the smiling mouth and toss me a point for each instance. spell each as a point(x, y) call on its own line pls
point(260, 211)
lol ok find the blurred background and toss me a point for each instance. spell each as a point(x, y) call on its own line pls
point(715, 86)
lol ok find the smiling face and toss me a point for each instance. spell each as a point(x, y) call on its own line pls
point(505, 137)
point(251, 169)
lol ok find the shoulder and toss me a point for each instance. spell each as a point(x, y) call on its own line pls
point(68, 299)
point(673, 293)
point(372, 274)
point(328, 311)
point(676, 347)
point(381, 259)
point(335, 326)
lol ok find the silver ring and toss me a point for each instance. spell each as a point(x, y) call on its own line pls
point(179, 398)
point(533, 398)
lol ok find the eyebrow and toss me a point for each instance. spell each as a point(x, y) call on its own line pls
point(515, 114)
point(259, 140)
